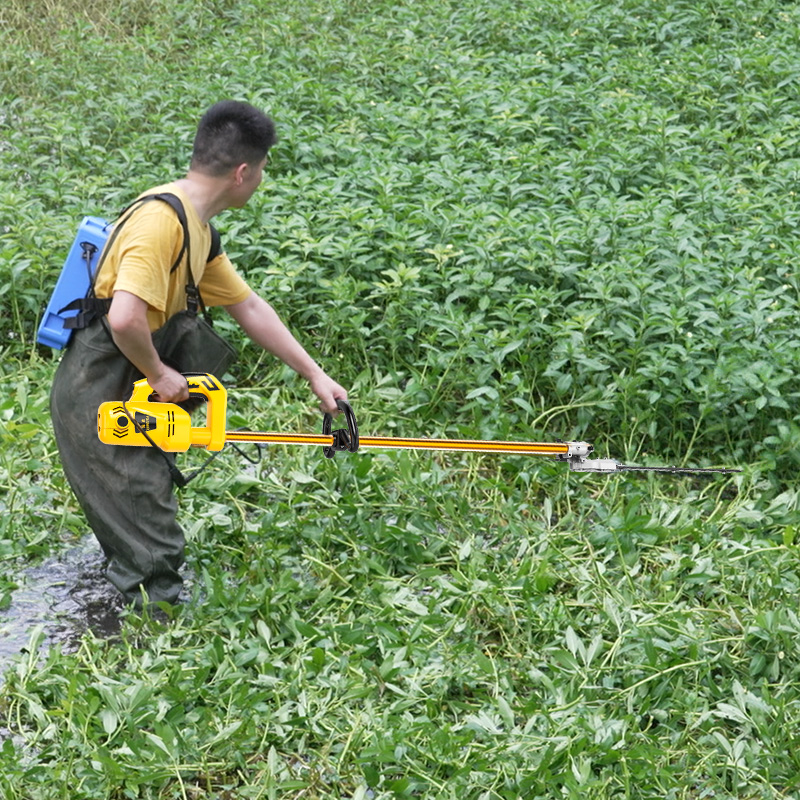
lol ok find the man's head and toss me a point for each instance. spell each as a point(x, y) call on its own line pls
point(230, 134)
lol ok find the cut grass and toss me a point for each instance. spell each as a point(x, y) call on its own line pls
point(505, 221)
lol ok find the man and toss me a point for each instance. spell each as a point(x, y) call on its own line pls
point(126, 492)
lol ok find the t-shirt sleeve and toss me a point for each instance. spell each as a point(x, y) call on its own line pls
point(221, 284)
point(145, 253)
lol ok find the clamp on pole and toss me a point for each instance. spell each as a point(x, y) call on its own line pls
point(577, 456)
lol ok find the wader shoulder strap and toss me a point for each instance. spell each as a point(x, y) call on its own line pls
point(194, 299)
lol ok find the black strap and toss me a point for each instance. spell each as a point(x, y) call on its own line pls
point(175, 204)
point(216, 244)
point(89, 309)
point(178, 478)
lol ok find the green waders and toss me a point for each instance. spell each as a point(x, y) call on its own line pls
point(125, 492)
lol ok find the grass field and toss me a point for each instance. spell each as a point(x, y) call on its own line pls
point(510, 220)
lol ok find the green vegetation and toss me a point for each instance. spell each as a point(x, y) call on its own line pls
point(529, 220)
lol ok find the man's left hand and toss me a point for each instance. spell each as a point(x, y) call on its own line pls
point(327, 390)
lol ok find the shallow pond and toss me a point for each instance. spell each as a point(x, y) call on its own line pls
point(66, 595)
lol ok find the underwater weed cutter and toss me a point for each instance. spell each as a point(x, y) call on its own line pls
point(140, 421)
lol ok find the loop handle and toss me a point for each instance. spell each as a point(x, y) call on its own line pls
point(343, 439)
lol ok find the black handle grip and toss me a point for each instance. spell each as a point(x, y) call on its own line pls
point(343, 439)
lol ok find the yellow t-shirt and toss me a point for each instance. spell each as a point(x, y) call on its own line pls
point(140, 259)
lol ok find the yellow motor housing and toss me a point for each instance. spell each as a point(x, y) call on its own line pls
point(168, 425)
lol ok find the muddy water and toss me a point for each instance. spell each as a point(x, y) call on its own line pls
point(65, 595)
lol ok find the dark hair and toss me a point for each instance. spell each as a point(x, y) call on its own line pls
point(231, 133)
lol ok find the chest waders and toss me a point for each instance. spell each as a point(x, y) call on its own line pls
point(126, 493)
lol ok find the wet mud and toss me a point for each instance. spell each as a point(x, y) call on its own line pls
point(66, 596)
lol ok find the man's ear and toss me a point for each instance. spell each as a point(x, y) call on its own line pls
point(238, 174)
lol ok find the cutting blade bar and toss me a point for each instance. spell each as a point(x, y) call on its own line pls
point(680, 470)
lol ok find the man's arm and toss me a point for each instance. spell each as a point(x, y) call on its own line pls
point(261, 323)
point(127, 319)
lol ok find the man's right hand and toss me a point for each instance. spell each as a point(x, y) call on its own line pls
point(170, 386)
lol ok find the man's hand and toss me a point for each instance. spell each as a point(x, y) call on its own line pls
point(170, 386)
point(327, 390)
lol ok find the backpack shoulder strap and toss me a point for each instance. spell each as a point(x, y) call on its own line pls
point(177, 206)
point(174, 202)
point(216, 244)
point(194, 299)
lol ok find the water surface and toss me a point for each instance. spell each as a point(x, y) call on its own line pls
point(66, 595)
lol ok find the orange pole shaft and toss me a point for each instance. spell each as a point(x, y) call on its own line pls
point(458, 445)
